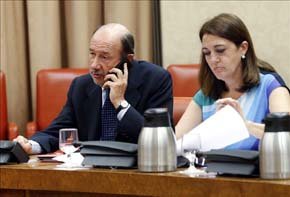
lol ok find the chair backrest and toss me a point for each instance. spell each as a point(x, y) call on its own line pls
point(184, 79)
point(3, 108)
point(52, 87)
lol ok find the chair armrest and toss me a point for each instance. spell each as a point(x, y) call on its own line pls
point(13, 131)
point(31, 128)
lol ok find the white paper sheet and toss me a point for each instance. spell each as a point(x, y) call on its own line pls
point(223, 128)
point(75, 160)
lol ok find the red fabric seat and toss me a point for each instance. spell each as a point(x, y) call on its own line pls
point(8, 130)
point(184, 78)
point(51, 90)
point(179, 106)
point(185, 85)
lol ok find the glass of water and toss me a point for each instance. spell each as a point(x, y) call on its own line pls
point(189, 151)
point(67, 138)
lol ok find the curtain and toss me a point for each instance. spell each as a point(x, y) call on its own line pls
point(54, 34)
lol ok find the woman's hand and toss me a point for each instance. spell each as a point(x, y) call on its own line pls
point(255, 129)
point(232, 102)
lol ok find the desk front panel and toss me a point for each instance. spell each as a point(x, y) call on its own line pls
point(40, 179)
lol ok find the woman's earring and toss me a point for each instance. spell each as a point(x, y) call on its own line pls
point(243, 57)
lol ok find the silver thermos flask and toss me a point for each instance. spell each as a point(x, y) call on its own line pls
point(275, 147)
point(156, 142)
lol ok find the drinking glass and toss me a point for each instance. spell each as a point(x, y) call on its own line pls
point(190, 154)
point(67, 138)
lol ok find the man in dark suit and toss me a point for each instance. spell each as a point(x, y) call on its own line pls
point(140, 86)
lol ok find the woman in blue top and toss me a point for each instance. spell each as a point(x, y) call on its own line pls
point(230, 75)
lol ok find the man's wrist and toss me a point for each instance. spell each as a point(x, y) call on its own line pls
point(35, 147)
point(123, 105)
point(122, 113)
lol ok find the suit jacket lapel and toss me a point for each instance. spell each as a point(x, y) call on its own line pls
point(92, 107)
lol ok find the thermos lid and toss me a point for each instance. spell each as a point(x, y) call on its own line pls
point(156, 117)
point(278, 121)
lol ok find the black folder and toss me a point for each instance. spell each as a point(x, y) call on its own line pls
point(11, 152)
point(232, 162)
point(110, 154)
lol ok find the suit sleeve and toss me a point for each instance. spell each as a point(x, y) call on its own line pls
point(160, 96)
point(48, 138)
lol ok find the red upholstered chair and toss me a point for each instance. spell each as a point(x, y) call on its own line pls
point(179, 106)
point(185, 85)
point(8, 130)
point(184, 78)
point(51, 91)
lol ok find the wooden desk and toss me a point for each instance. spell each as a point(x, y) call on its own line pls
point(43, 179)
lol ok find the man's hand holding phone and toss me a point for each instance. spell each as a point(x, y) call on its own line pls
point(117, 81)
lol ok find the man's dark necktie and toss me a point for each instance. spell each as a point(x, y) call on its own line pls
point(109, 119)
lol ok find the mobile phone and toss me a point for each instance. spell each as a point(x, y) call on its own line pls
point(120, 65)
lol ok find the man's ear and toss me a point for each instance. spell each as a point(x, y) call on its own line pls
point(130, 57)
